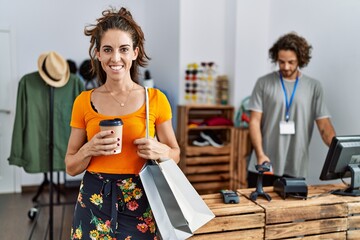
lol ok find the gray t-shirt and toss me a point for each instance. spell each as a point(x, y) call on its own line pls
point(289, 154)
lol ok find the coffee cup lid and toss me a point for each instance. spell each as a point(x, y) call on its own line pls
point(111, 122)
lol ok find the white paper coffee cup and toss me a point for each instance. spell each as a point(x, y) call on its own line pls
point(117, 126)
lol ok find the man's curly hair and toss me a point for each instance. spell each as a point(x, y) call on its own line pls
point(293, 42)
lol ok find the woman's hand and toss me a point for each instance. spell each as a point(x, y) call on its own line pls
point(80, 151)
point(102, 143)
point(152, 149)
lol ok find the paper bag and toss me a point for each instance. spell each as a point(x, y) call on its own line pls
point(177, 207)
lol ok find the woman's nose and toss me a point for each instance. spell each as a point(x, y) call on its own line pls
point(115, 57)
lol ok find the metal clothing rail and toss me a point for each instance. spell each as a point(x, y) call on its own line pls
point(45, 183)
point(34, 212)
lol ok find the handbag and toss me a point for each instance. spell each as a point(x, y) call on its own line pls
point(177, 207)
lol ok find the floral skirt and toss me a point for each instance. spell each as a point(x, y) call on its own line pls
point(112, 206)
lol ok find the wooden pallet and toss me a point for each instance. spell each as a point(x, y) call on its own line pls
point(353, 214)
point(245, 220)
point(321, 217)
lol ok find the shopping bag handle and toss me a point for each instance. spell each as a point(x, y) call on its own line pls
point(147, 108)
point(147, 113)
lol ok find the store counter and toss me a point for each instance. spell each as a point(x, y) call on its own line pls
point(321, 216)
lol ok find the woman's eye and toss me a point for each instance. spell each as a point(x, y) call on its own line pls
point(124, 50)
point(107, 50)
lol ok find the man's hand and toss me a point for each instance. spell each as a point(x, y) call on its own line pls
point(265, 167)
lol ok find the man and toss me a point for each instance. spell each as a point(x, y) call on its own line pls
point(284, 106)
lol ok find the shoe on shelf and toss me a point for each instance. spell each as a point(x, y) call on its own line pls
point(201, 142)
point(211, 137)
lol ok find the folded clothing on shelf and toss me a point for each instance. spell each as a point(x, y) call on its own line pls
point(218, 121)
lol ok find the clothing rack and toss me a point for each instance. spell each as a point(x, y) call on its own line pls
point(45, 183)
point(51, 164)
point(34, 212)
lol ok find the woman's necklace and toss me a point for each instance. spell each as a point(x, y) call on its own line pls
point(122, 104)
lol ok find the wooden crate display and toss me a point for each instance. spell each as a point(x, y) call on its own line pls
point(244, 220)
point(353, 231)
point(353, 214)
point(208, 168)
point(242, 151)
point(322, 217)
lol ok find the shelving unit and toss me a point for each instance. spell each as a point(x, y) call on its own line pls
point(208, 168)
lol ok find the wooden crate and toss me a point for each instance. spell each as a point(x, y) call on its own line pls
point(245, 220)
point(353, 203)
point(209, 172)
point(321, 217)
point(242, 151)
point(353, 231)
point(208, 168)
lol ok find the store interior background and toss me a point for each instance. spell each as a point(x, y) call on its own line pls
point(235, 34)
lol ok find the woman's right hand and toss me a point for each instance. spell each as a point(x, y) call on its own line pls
point(80, 151)
point(102, 143)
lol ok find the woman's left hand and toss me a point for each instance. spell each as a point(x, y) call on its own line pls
point(151, 149)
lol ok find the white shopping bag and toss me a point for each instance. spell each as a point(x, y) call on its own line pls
point(178, 209)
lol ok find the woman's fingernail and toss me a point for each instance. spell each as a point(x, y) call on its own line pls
point(112, 131)
point(118, 139)
point(118, 144)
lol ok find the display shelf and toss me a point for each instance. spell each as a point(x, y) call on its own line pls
point(208, 168)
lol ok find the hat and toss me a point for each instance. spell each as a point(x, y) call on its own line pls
point(53, 69)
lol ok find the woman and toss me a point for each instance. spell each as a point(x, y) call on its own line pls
point(112, 203)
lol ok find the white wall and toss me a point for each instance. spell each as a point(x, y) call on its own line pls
point(236, 34)
point(206, 35)
point(162, 44)
point(252, 43)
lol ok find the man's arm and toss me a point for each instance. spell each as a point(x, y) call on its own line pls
point(256, 137)
point(326, 130)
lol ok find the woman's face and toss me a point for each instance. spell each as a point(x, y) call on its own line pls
point(116, 54)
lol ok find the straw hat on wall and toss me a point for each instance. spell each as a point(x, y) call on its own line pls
point(53, 69)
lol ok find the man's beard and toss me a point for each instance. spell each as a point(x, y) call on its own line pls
point(289, 74)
